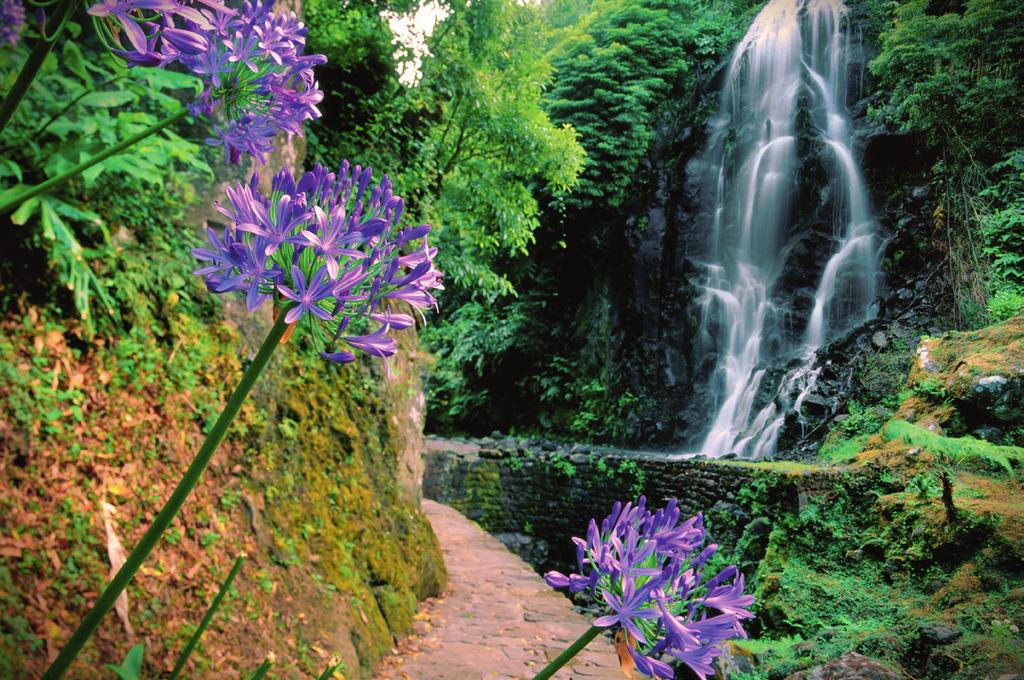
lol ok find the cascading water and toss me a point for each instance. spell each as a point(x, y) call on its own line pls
point(788, 72)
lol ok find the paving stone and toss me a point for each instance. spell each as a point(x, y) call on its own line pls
point(497, 621)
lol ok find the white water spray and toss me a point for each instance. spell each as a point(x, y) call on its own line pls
point(795, 50)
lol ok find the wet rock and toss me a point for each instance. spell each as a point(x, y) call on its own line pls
point(1002, 396)
point(493, 454)
point(987, 432)
point(732, 662)
point(579, 459)
point(939, 634)
point(850, 666)
point(729, 456)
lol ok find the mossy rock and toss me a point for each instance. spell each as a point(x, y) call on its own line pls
point(981, 372)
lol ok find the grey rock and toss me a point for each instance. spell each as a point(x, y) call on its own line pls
point(579, 458)
point(493, 454)
point(732, 662)
point(987, 432)
point(939, 634)
point(850, 666)
point(1001, 396)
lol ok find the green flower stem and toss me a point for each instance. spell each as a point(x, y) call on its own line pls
point(10, 203)
point(108, 597)
point(261, 671)
point(42, 48)
point(329, 672)
point(570, 651)
point(207, 618)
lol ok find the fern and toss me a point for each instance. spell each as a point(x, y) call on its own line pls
point(955, 450)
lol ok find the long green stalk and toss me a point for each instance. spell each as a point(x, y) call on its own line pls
point(261, 671)
point(13, 201)
point(163, 520)
point(207, 618)
point(570, 651)
point(35, 61)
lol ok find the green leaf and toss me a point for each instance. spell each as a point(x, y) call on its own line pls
point(50, 219)
point(9, 168)
point(131, 667)
point(159, 79)
point(75, 63)
point(25, 211)
point(108, 99)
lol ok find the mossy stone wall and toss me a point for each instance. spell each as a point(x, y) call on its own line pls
point(510, 488)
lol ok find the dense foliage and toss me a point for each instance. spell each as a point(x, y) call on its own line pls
point(953, 73)
point(619, 67)
point(81, 104)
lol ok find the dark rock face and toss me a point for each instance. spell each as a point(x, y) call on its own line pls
point(850, 666)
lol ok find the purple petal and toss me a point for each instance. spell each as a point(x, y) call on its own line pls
point(341, 357)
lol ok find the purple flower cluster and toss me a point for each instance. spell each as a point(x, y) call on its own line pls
point(329, 249)
point(648, 569)
point(257, 82)
point(12, 19)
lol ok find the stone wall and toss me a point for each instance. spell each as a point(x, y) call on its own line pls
point(535, 497)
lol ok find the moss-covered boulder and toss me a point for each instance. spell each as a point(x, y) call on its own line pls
point(977, 376)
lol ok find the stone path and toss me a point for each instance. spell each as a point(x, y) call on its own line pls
point(498, 618)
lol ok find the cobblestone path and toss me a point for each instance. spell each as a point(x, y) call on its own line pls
point(498, 618)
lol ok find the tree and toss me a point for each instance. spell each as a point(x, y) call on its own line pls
point(491, 147)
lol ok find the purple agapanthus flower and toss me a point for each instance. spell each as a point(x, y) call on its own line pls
point(12, 20)
point(257, 83)
point(648, 569)
point(330, 251)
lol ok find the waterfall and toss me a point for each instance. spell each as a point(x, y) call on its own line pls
point(787, 81)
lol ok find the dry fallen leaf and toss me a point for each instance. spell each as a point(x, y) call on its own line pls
point(115, 551)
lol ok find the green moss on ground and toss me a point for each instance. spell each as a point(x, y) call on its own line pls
point(866, 562)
